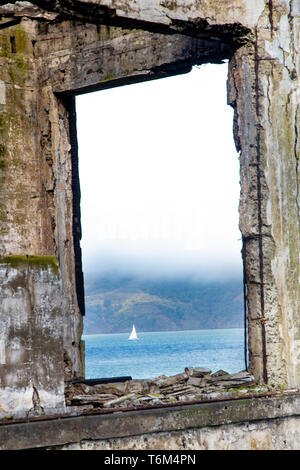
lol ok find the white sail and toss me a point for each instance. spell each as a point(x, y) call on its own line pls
point(133, 334)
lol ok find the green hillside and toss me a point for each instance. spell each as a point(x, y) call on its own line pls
point(114, 303)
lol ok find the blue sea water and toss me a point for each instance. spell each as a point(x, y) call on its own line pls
point(166, 352)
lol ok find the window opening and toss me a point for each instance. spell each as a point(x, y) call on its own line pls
point(161, 248)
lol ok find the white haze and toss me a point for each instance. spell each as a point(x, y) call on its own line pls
point(159, 178)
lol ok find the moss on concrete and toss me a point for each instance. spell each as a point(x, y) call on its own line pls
point(3, 217)
point(2, 150)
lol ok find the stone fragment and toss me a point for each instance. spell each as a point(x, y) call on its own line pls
point(23, 9)
point(173, 388)
point(219, 372)
point(263, 80)
point(114, 388)
point(218, 379)
point(193, 385)
point(243, 375)
point(146, 398)
point(178, 391)
point(174, 379)
point(76, 410)
point(196, 381)
point(140, 386)
point(156, 401)
point(232, 380)
point(189, 397)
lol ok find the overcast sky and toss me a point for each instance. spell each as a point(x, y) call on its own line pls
point(159, 177)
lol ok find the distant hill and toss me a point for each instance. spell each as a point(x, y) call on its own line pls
point(114, 303)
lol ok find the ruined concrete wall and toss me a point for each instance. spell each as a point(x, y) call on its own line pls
point(52, 50)
point(262, 435)
point(31, 345)
point(31, 377)
point(245, 423)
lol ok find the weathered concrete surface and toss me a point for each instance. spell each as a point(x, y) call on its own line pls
point(50, 51)
point(260, 423)
point(280, 434)
point(174, 13)
point(193, 385)
point(115, 56)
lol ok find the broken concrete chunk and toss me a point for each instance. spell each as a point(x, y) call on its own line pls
point(173, 388)
point(189, 397)
point(140, 386)
point(231, 380)
point(183, 391)
point(243, 375)
point(114, 388)
point(146, 398)
point(196, 383)
point(86, 399)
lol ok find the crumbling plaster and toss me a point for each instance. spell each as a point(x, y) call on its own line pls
point(60, 49)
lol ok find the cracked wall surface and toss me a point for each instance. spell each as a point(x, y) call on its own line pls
point(49, 52)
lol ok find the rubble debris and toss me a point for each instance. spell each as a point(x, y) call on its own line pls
point(195, 384)
point(197, 381)
point(119, 400)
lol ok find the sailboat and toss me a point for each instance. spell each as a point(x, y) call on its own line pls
point(133, 334)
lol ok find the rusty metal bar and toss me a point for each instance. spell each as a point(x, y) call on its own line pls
point(92, 382)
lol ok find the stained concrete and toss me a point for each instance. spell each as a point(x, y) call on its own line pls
point(249, 423)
